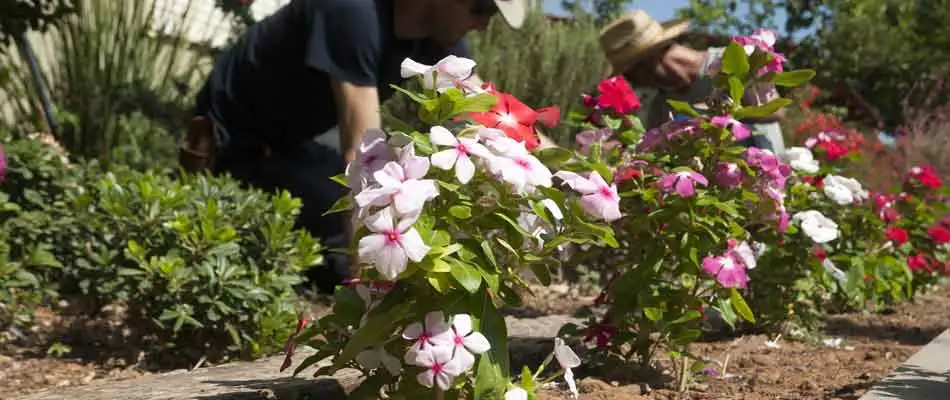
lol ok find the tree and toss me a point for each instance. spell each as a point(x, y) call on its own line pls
point(602, 10)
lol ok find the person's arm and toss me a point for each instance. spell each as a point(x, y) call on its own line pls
point(357, 110)
point(344, 43)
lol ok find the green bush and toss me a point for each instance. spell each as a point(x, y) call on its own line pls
point(545, 62)
point(200, 264)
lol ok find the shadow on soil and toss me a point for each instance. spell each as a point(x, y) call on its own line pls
point(907, 335)
point(911, 382)
point(283, 388)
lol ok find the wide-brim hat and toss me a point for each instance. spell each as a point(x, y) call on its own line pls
point(627, 40)
point(513, 11)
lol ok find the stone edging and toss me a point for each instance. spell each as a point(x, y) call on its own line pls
point(924, 376)
point(261, 380)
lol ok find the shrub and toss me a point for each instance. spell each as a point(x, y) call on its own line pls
point(545, 62)
point(199, 263)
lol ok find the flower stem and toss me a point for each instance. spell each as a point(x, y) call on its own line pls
point(439, 394)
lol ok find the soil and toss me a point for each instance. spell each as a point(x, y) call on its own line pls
point(872, 346)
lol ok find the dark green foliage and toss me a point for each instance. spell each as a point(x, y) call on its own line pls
point(201, 264)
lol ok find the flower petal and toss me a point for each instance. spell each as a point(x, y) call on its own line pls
point(380, 222)
point(413, 331)
point(390, 261)
point(553, 208)
point(476, 343)
point(413, 246)
point(445, 159)
point(426, 378)
point(442, 137)
point(410, 68)
point(462, 324)
point(464, 169)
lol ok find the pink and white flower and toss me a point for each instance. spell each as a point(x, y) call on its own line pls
point(392, 243)
point(459, 155)
point(464, 341)
point(599, 199)
point(440, 368)
point(729, 174)
point(683, 182)
point(739, 131)
point(450, 72)
point(427, 335)
point(729, 271)
point(373, 153)
point(401, 185)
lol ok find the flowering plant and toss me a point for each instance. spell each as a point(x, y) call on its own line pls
point(699, 212)
point(451, 223)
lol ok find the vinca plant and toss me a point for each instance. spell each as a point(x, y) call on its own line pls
point(451, 223)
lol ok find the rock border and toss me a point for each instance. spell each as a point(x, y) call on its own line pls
point(531, 339)
point(924, 376)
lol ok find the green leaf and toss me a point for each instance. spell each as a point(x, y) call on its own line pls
point(341, 179)
point(761, 111)
point(734, 61)
point(479, 103)
point(342, 204)
point(554, 156)
point(379, 326)
point(466, 275)
point(414, 96)
point(727, 208)
point(683, 107)
point(542, 272)
point(741, 307)
point(653, 314)
point(489, 253)
point(513, 224)
point(686, 337)
point(794, 78)
point(736, 89)
point(688, 316)
point(492, 377)
point(461, 212)
point(42, 258)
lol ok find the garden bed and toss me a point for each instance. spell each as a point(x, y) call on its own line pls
point(795, 370)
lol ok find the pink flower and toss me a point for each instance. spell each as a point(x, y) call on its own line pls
point(440, 368)
point(762, 159)
point(392, 244)
point(740, 131)
point(728, 271)
point(683, 183)
point(586, 139)
point(427, 335)
point(729, 175)
point(598, 199)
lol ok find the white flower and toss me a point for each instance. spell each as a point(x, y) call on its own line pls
point(535, 225)
point(773, 343)
point(745, 254)
point(427, 335)
point(516, 393)
point(464, 341)
point(519, 168)
point(373, 153)
point(567, 359)
point(801, 159)
point(834, 271)
point(392, 243)
point(376, 356)
point(843, 190)
point(451, 72)
point(817, 226)
point(441, 368)
point(598, 199)
point(459, 155)
point(401, 185)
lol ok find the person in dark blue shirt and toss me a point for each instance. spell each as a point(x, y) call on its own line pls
point(284, 108)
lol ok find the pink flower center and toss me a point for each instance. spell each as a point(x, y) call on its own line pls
point(523, 164)
point(459, 340)
point(606, 192)
point(393, 237)
point(437, 368)
point(461, 149)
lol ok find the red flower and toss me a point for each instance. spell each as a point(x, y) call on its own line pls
point(601, 333)
point(898, 235)
point(925, 175)
point(625, 174)
point(616, 94)
point(291, 344)
point(820, 253)
point(515, 118)
point(833, 150)
point(816, 181)
point(917, 262)
point(939, 234)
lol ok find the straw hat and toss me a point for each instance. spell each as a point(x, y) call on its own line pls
point(626, 40)
point(513, 11)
